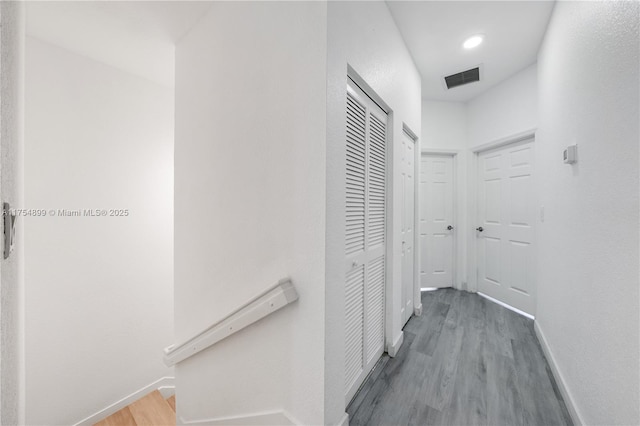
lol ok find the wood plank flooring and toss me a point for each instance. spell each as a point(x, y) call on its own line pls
point(150, 410)
point(465, 361)
point(172, 402)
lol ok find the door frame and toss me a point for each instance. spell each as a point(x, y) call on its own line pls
point(457, 241)
point(417, 302)
point(472, 241)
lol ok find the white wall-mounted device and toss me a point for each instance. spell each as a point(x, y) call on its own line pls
point(570, 154)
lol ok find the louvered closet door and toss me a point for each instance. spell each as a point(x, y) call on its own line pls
point(364, 237)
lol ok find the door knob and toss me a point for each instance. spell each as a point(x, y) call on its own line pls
point(450, 227)
point(480, 229)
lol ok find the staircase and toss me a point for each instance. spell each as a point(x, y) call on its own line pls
point(151, 410)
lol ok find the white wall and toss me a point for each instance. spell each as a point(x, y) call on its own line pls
point(504, 110)
point(99, 296)
point(250, 206)
point(364, 36)
point(11, 190)
point(507, 109)
point(588, 290)
point(444, 127)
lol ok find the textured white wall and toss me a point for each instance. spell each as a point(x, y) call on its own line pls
point(364, 36)
point(504, 110)
point(588, 286)
point(11, 190)
point(99, 291)
point(444, 127)
point(250, 205)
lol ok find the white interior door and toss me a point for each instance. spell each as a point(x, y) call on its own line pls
point(365, 187)
point(408, 220)
point(505, 233)
point(436, 221)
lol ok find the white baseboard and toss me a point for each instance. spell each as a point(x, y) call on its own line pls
point(166, 385)
point(393, 349)
point(418, 310)
point(511, 308)
point(167, 390)
point(564, 390)
point(344, 421)
point(265, 418)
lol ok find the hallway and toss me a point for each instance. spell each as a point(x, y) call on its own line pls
point(239, 202)
point(466, 360)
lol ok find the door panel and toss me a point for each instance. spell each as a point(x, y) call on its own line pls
point(408, 223)
point(354, 324)
point(436, 215)
point(365, 241)
point(506, 212)
point(375, 314)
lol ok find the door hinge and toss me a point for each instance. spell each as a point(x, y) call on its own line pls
point(9, 229)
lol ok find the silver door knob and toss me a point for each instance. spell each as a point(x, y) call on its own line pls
point(480, 229)
point(450, 228)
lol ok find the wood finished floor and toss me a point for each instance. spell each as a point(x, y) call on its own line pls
point(465, 361)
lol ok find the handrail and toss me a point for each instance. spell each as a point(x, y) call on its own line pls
point(274, 298)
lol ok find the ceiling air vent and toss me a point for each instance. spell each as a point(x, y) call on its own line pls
point(464, 77)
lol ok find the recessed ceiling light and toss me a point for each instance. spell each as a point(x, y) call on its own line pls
point(473, 41)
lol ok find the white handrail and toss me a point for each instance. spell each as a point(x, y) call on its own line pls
point(266, 303)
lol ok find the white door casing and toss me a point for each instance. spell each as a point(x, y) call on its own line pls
point(436, 216)
point(365, 239)
point(506, 225)
point(408, 225)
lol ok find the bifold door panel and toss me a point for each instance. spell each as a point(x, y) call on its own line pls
point(365, 263)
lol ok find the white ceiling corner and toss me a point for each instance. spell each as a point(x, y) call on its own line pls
point(435, 30)
point(136, 36)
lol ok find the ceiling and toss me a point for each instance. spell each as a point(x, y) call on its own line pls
point(136, 36)
point(139, 36)
point(435, 30)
